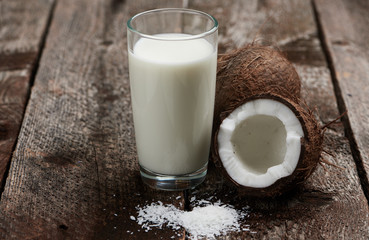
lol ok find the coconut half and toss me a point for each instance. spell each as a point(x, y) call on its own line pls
point(260, 142)
point(267, 145)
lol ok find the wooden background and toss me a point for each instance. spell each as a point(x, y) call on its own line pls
point(68, 164)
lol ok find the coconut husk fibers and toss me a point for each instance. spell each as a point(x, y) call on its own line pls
point(253, 70)
point(256, 72)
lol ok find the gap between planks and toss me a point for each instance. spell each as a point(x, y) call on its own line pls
point(31, 82)
point(342, 106)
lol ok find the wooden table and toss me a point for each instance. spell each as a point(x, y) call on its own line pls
point(68, 163)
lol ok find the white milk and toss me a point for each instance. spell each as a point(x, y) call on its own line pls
point(173, 88)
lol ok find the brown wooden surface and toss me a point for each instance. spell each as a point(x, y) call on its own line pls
point(346, 41)
point(74, 172)
point(22, 30)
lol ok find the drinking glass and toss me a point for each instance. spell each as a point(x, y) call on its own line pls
point(172, 57)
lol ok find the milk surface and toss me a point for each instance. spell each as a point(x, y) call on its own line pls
point(172, 91)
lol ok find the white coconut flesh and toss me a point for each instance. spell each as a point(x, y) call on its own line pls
point(260, 142)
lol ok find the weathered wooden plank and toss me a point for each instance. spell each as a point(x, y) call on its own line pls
point(74, 173)
point(345, 29)
point(22, 25)
point(331, 204)
point(13, 91)
point(22, 28)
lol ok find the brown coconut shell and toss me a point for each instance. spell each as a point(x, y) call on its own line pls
point(311, 148)
point(253, 70)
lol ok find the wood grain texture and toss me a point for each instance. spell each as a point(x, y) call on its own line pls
point(345, 29)
point(22, 28)
point(74, 172)
point(22, 25)
point(331, 204)
point(13, 91)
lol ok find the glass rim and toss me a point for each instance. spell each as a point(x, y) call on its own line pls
point(213, 29)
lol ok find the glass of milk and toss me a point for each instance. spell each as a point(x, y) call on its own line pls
point(172, 67)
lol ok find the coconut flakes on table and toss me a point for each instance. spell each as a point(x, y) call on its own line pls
point(210, 220)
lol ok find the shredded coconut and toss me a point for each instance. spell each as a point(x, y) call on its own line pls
point(205, 220)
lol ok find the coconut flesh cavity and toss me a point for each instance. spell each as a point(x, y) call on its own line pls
point(259, 143)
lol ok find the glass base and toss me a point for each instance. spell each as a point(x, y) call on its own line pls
point(173, 183)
